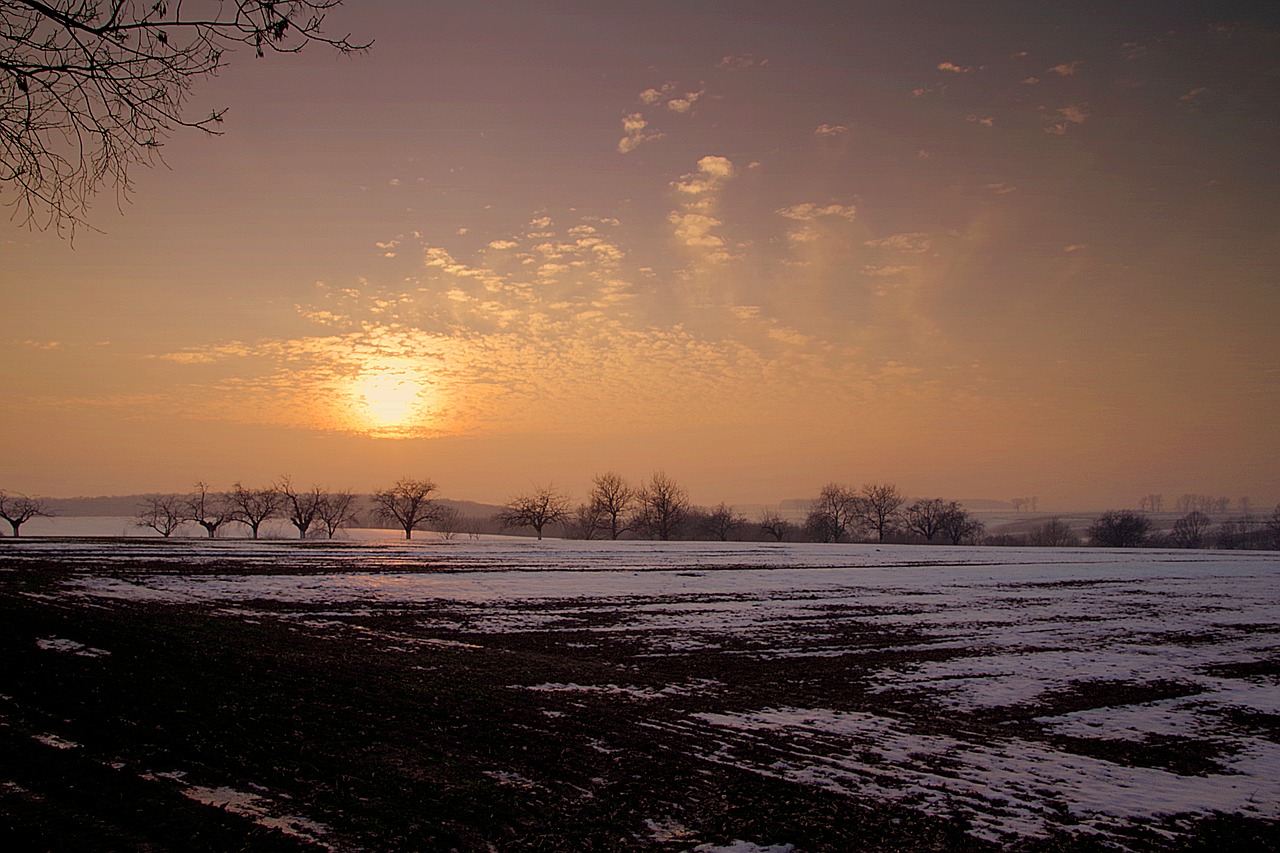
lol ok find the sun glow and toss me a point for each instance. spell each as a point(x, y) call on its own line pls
point(391, 399)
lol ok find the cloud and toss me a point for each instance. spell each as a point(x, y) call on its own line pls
point(808, 212)
point(914, 243)
point(695, 222)
point(1074, 247)
point(1193, 96)
point(635, 132)
point(1000, 188)
point(713, 171)
point(1065, 69)
point(1072, 115)
point(886, 269)
point(953, 68)
point(741, 62)
point(985, 121)
point(43, 345)
point(830, 130)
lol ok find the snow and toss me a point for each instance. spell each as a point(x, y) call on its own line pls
point(1032, 623)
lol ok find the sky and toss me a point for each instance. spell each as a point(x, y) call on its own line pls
point(979, 250)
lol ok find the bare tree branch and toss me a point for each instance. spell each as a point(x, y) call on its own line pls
point(91, 88)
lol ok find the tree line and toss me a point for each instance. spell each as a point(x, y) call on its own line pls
point(656, 508)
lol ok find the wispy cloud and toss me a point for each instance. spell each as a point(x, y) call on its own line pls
point(741, 62)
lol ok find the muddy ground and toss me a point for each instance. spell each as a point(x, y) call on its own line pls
point(162, 725)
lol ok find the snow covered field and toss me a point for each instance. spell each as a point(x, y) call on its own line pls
point(1026, 691)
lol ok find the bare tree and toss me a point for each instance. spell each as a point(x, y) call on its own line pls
point(162, 513)
point(959, 526)
point(408, 503)
point(664, 506)
point(612, 497)
point(1120, 529)
point(721, 522)
point(879, 506)
point(448, 522)
point(1191, 530)
point(208, 509)
point(588, 520)
point(299, 507)
point(833, 514)
point(91, 88)
point(1151, 503)
point(773, 524)
point(252, 507)
point(18, 509)
point(538, 508)
point(925, 517)
point(336, 510)
point(1054, 533)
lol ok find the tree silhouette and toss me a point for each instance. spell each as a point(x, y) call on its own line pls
point(19, 509)
point(91, 88)
point(408, 503)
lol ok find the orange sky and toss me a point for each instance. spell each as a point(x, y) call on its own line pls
point(1027, 252)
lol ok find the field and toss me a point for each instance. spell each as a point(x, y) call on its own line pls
point(504, 694)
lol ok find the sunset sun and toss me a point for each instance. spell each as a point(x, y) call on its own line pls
point(389, 400)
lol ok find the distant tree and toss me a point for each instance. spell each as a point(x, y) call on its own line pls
point(1191, 530)
point(18, 509)
point(162, 513)
point(253, 507)
point(588, 520)
point(959, 526)
point(613, 499)
point(1152, 503)
point(538, 508)
point(833, 515)
point(773, 524)
point(722, 522)
point(1120, 529)
point(207, 508)
point(879, 507)
point(448, 522)
point(335, 510)
point(90, 88)
point(663, 506)
point(925, 517)
point(1273, 528)
point(299, 506)
point(1054, 533)
point(408, 503)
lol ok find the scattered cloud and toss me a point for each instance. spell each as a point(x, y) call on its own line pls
point(985, 121)
point(635, 132)
point(1065, 69)
point(43, 345)
point(695, 222)
point(954, 68)
point(1075, 247)
point(830, 130)
point(1066, 117)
